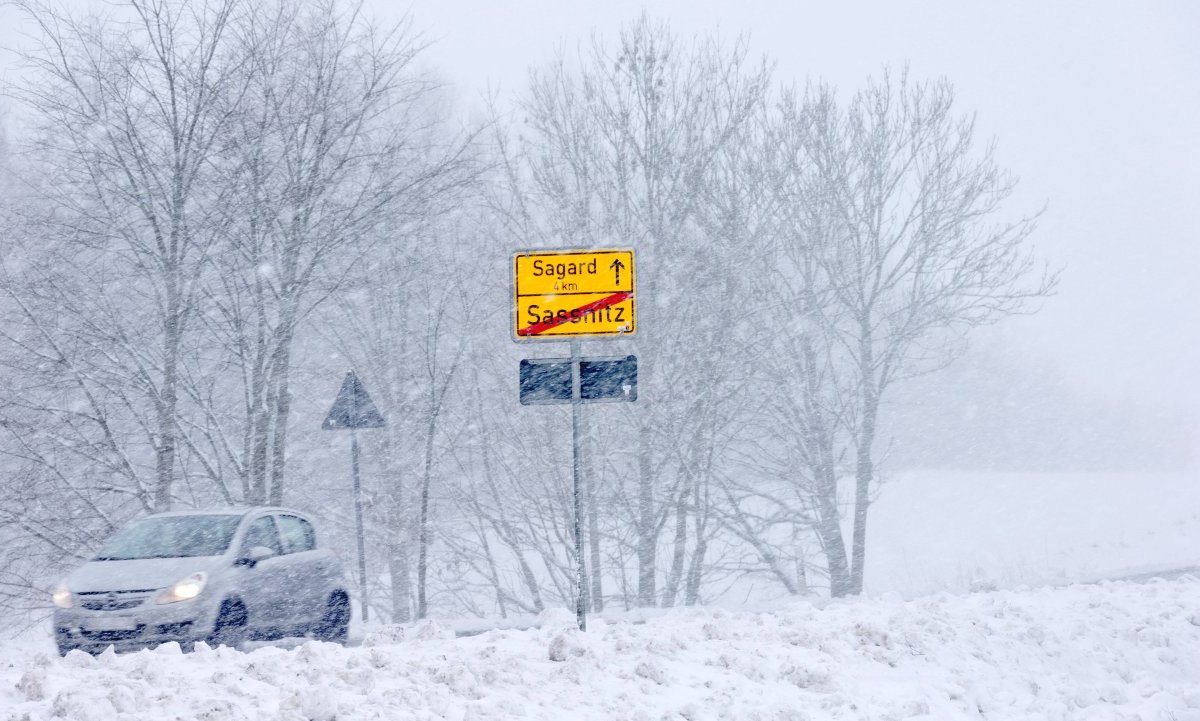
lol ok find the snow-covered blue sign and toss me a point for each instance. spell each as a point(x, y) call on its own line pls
point(548, 380)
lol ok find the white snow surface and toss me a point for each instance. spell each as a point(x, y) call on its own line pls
point(933, 531)
point(1118, 651)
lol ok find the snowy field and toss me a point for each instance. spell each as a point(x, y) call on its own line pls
point(1014, 638)
point(1118, 651)
point(933, 531)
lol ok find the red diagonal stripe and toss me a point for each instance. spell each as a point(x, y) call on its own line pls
point(543, 326)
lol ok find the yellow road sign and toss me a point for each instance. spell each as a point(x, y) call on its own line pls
point(573, 293)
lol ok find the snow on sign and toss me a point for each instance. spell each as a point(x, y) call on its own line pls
point(569, 293)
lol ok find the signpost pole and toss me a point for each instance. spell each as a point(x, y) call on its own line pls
point(576, 409)
point(358, 519)
point(569, 295)
point(354, 409)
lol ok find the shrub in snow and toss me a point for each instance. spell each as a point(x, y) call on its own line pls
point(807, 677)
point(430, 630)
point(427, 630)
point(384, 635)
point(567, 644)
point(650, 669)
point(33, 684)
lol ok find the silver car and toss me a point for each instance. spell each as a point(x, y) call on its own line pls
point(219, 576)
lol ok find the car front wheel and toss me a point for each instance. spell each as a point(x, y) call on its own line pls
point(230, 627)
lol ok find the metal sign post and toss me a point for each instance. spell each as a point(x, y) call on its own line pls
point(578, 380)
point(354, 409)
point(358, 525)
point(581, 600)
point(570, 295)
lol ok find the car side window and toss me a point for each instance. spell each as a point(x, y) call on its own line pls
point(298, 533)
point(261, 533)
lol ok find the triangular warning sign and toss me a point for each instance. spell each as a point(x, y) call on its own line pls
point(352, 408)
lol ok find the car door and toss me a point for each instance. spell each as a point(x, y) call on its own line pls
point(306, 571)
point(263, 585)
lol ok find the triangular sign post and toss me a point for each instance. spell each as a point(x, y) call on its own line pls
point(352, 408)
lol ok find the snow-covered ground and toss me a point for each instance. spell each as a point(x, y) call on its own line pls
point(1119, 651)
point(1090, 652)
point(942, 530)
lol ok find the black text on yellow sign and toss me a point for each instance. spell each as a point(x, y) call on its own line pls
point(573, 293)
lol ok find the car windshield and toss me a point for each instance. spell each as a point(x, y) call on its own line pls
point(171, 537)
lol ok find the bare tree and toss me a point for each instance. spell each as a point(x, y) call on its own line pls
point(200, 178)
point(129, 118)
point(336, 137)
point(226, 192)
point(617, 150)
point(896, 234)
point(411, 334)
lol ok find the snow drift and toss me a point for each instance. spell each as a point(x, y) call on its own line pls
point(1107, 651)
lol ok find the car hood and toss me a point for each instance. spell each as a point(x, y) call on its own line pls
point(140, 574)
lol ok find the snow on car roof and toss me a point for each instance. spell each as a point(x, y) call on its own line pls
point(225, 511)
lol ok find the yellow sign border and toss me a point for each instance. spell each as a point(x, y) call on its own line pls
point(565, 337)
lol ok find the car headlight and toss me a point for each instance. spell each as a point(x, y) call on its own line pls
point(62, 597)
point(183, 590)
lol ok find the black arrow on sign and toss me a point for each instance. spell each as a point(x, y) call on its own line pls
point(617, 265)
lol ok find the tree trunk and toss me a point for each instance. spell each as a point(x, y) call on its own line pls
point(696, 571)
point(829, 521)
point(865, 466)
point(829, 533)
point(398, 568)
point(597, 595)
point(168, 404)
point(423, 521)
point(281, 370)
point(702, 509)
point(399, 536)
point(259, 431)
point(823, 466)
point(258, 396)
point(283, 405)
point(864, 474)
point(675, 575)
point(647, 529)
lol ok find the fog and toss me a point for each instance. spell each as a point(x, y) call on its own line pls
point(919, 268)
point(144, 379)
point(1093, 106)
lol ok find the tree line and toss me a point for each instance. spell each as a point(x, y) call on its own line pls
point(217, 208)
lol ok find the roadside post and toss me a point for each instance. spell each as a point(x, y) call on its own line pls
point(354, 409)
point(571, 295)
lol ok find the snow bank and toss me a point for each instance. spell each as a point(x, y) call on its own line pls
point(1109, 651)
point(931, 531)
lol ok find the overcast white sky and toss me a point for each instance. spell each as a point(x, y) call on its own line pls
point(1095, 105)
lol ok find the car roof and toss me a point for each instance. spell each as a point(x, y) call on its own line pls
point(226, 511)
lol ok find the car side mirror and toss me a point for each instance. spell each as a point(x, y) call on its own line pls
point(254, 555)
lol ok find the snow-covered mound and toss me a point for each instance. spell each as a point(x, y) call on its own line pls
point(1109, 651)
